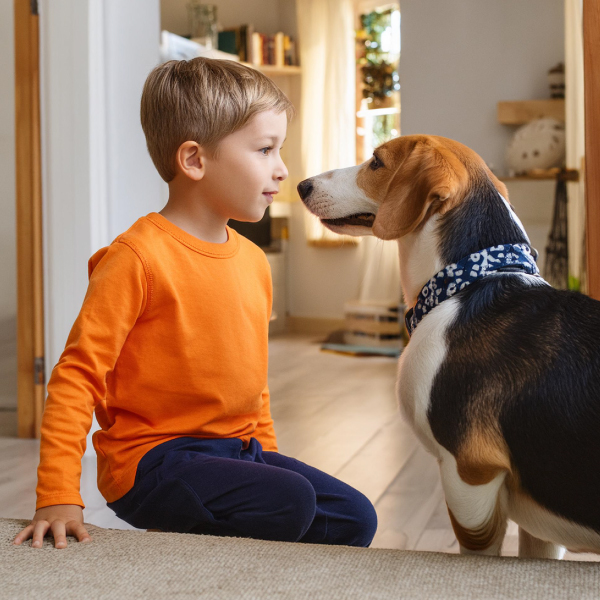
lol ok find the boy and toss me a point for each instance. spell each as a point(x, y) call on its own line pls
point(171, 343)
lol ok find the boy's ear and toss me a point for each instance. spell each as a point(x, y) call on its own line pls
point(190, 160)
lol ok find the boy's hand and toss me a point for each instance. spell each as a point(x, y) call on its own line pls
point(61, 519)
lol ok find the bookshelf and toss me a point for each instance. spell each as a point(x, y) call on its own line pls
point(274, 70)
point(271, 53)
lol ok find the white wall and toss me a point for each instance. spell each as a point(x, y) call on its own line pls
point(8, 254)
point(97, 175)
point(132, 42)
point(66, 160)
point(267, 16)
point(320, 280)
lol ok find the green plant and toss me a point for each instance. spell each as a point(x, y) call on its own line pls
point(378, 67)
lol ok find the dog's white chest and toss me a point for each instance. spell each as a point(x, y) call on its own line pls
point(418, 365)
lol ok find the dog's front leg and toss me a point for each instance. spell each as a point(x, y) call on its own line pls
point(477, 512)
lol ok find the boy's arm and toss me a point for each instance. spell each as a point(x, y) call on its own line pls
point(117, 295)
point(265, 432)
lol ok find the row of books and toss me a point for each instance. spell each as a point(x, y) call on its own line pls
point(259, 48)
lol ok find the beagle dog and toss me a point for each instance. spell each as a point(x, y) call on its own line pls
point(501, 378)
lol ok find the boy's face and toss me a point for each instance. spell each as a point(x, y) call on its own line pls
point(241, 181)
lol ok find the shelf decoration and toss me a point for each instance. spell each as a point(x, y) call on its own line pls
point(537, 145)
point(203, 24)
point(556, 81)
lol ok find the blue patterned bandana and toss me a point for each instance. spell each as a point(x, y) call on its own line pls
point(457, 276)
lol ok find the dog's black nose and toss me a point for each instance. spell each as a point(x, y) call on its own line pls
point(305, 188)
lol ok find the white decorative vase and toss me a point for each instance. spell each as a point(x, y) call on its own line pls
point(537, 145)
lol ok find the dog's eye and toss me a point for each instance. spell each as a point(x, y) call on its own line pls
point(375, 163)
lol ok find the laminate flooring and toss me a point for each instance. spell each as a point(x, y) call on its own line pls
point(337, 413)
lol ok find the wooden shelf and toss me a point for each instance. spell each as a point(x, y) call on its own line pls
point(520, 112)
point(273, 70)
point(528, 178)
point(567, 175)
point(374, 112)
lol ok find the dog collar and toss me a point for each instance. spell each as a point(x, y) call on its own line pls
point(456, 276)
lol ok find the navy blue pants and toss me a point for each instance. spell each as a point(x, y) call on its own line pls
point(192, 485)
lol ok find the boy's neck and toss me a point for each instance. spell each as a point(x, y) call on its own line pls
point(195, 218)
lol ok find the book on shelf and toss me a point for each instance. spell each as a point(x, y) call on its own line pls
point(237, 40)
point(259, 48)
point(278, 50)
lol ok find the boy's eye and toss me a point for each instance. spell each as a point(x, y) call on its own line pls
point(267, 149)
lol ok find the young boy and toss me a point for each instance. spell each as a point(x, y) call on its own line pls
point(170, 347)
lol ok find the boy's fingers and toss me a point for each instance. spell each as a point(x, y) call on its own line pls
point(39, 531)
point(60, 537)
point(79, 531)
point(24, 535)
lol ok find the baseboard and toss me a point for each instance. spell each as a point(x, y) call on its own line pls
point(313, 325)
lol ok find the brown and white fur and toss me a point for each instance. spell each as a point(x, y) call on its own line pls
point(500, 382)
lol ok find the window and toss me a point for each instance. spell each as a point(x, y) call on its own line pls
point(377, 80)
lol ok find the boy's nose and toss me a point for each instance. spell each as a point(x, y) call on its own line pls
point(281, 173)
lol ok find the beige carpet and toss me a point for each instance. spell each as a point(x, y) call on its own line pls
point(132, 564)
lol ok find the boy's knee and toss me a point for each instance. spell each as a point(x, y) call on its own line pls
point(361, 523)
point(368, 527)
point(287, 515)
point(296, 510)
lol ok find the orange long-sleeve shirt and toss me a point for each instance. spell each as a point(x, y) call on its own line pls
point(171, 341)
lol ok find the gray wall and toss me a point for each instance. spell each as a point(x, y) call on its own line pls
point(460, 57)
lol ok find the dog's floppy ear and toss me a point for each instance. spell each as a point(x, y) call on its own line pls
point(431, 178)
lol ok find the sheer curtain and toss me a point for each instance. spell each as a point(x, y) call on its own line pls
point(575, 133)
point(326, 34)
point(327, 54)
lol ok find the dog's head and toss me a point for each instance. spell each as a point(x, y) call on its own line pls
point(407, 180)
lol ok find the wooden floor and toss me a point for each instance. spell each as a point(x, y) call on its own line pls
point(336, 413)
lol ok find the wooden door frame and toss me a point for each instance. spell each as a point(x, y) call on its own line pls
point(30, 296)
point(591, 61)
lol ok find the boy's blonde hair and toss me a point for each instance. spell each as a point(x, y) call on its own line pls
point(202, 100)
